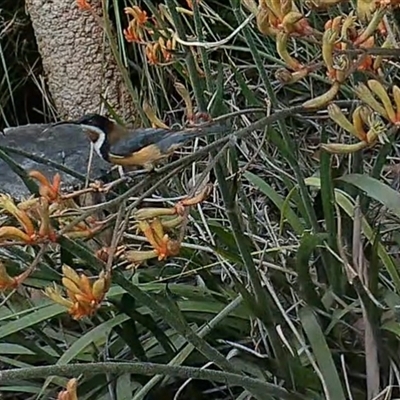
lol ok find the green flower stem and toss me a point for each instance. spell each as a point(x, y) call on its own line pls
point(247, 32)
point(184, 353)
point(149, 369)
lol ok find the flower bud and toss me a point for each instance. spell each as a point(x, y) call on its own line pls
point(339, 148)
point(296, 22)
point(336, 115)
point(396, 98)
point(328, 45)
point(367, 97)
point(151, 115)
point(380, 91)
point(323, 99)
point(15, 234)
point(365, 8)
point(358, 124)
point(153, 212)
point(281, 47)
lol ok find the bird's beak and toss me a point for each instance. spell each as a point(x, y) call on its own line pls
point(66, 123)
point(61, 123)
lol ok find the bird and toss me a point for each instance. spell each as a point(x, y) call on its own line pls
point(142, 147)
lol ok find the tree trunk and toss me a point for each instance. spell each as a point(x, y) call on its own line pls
point(77, 59)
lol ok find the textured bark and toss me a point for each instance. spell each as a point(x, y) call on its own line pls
point(77, 59)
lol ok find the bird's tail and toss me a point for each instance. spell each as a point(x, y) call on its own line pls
point(178, 138)
point(212, 128)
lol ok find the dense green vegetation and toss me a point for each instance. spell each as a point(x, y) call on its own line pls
point(287, 282)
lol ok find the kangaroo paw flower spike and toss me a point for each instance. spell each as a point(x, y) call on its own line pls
point(281, 47)
point(27, 233)
point(48, 190)
point(384, 107)
point(323, 99)
point(151, 115)
point(367, 9)
point(163, 245)
point(192, 201)
point(363, 117)
point(70, 391)
point(155, 222)
point(275, 16)
point(7, 282)
point(135, 30)
point(83, 297)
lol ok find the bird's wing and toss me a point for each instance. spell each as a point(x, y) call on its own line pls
point(138, 139)
point(165, 139)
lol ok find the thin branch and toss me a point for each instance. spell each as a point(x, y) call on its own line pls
point(148, 369)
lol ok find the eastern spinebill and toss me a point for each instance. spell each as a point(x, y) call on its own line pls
point(143, 147)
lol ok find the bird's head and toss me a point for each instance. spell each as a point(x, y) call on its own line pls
point(97, 127)
point(101, 131)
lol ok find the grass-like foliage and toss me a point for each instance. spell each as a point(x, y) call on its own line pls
point(259, 264)
point(21, 85)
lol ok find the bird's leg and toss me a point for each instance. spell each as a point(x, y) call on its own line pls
point(121, 171)
point(147, 168)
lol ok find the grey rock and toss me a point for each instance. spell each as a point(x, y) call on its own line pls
point(66, 145)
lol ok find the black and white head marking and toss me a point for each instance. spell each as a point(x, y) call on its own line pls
point(98, 139)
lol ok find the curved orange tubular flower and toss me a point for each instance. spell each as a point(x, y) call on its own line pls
point(295, 22)
point(339, 31)
point(160, 51)
point(194, 200)
point(161, 243)
point(48, 190)
point(162, 220)
point(83, 298)
point(281, 47)
point(134, 32)
point(151, 53)
point(132, 35)
point(362, 118)
point(152, 116)
point(387, 108)
point(281, 15)
point(104, 253)
point(7, 204)
point(166, 48)
point(70, 392)
point(14, 234)
point(45, 228)
point(139, 15)
point(136, 257)
point(8, 282)
point(28, 233)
